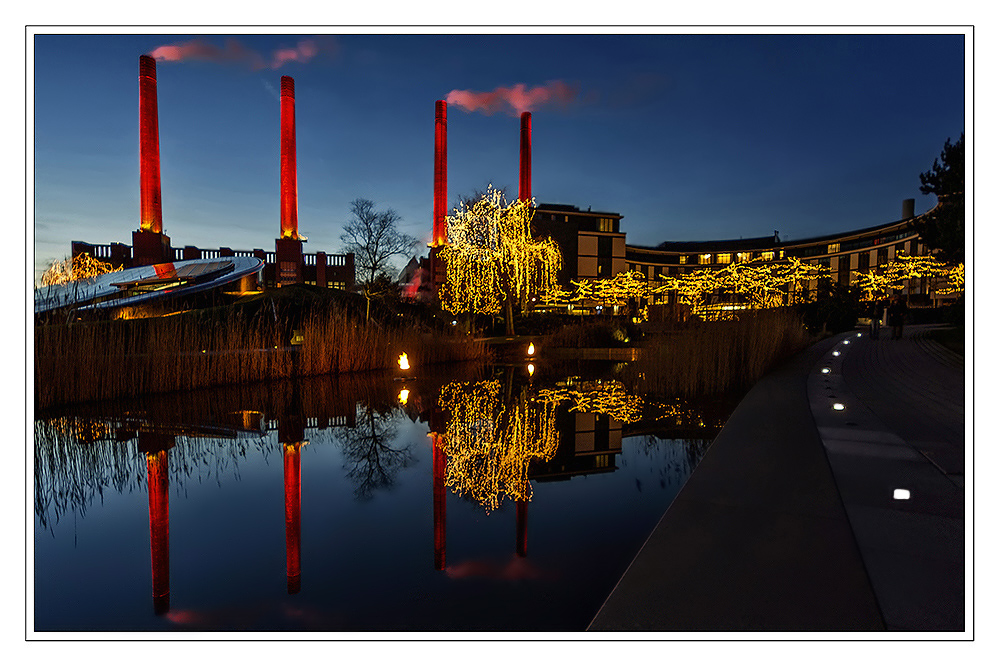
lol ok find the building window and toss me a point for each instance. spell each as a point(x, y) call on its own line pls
point(767, 256)
point(883, 256)
point(832, 248)
point(705, 259)
point(742, 257)
point(725, 258)
point(683, 259)
point(605, 225)
point(864, 261)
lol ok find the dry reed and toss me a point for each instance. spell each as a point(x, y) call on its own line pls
point(712, 358)
point(96, 361)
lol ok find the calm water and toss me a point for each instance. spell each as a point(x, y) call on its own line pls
point(485, 501)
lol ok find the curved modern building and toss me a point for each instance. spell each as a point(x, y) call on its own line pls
point(594, 247)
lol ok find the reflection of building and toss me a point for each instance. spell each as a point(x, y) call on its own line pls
point(588, 444)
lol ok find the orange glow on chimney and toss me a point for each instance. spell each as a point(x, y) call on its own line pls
point(150, 213)
point(289, 178)
point(440, 173)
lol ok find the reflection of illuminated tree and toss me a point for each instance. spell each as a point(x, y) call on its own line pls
point(607, 398)
point(613, 399)
point(370, 452)
point(491, 441)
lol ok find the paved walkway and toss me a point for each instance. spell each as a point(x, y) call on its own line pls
point(790, 522)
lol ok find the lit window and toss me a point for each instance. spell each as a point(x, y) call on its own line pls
point(742, 257)
point(725, 258)
point(767, 255)
point(683, 259)
point(705, 259)
point(832, 248)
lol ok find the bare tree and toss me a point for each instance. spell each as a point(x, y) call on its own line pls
point(374, 239)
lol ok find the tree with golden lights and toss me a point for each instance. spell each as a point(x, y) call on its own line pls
point(761, 284)
point(78, 268)
point(877, 282)
point(492, 261)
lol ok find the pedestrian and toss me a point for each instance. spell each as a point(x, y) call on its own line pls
point(897, 311)
point(875, 312)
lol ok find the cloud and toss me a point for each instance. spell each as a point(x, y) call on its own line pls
point(236, 53)
point(515, 99)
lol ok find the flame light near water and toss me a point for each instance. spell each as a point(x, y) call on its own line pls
point(515, 99)
point(404, 363)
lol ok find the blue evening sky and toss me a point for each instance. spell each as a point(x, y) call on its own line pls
point(689, 137)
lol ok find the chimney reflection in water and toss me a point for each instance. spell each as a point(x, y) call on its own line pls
point(293, 515)
point(440, 462)
point(155, 447)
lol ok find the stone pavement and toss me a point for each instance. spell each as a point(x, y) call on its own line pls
point(790, 522)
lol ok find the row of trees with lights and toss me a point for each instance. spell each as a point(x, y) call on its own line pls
point(494, 265)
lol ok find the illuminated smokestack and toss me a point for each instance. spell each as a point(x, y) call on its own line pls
point(150, 214)
point(440, 172)
point(524, 185)
point(289, 179)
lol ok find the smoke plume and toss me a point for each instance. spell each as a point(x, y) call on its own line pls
point(236, 53)
point(516, 99)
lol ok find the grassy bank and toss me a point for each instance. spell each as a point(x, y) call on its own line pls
point(712, 358)
point(94, 361)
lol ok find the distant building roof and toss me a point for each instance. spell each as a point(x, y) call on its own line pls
point(569, 208)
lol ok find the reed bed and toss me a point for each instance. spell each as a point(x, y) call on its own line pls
point(96, 361)
point(713, 358)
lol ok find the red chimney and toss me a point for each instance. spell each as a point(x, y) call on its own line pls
point(150, 215)
point(440, 172)
point(289, 180)
point(524, 186)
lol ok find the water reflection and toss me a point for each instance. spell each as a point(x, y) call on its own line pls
point(490, 434)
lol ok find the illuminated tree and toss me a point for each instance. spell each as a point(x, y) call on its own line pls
point(492, 261)
point(762, 285)
point(78, 268)
point(956, 281)
point(877, 282)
